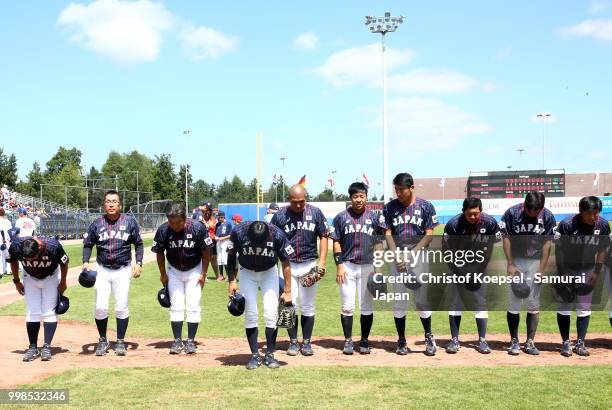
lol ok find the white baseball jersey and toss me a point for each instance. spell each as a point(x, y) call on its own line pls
point(5, 225)
point(26, 226)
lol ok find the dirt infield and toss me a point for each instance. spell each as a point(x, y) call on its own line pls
point(74, 345)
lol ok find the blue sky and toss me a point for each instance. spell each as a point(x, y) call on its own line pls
point(466, 80)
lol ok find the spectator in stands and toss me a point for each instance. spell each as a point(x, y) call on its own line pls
point(272, 209)
point(5, 225)
point(26, 226)
point(237, 219)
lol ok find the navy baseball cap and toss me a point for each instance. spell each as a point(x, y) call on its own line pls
point(273, 206)
point(221, 213)
point(22, 211)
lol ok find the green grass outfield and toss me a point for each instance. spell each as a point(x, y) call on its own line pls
point(148, 319)
point(338, 387)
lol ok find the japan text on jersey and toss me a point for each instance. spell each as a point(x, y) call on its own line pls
point(302, 230)
point(183, 249)
point(484, 231)
point(579, 242)
point(263, 256)
point(51, 254)
point(409, 223)
point(113, 240)
point(527, 235)
point(356, 234)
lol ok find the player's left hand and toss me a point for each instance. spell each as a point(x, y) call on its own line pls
point(286, 297)
point(592, 278)
point(136, 269)
point(62, 286)
point(202, 279)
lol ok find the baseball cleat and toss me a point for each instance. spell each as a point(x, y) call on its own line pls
point(254, 361)
point(120, 349)
point(31, 354)
point(430, 345)
point(483, 346)
point(530, 348)
point(566, 348)
point(294, 348)
point(401, 349)
point(515, 347)
point(348, 347)
point(271, 362)
point(177, 346)
point(306, 349)
point(453, 346)
point(364, 346)
point(580, 349)
point(45, 353)
point(190, 346)
point(102, 347)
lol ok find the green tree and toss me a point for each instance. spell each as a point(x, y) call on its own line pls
point(164, 179)
point(34, 179)
point(201, 191)
point(63, 158)
point(8, 170)
point(250, 193)
point(326, 196)
point(234, 191)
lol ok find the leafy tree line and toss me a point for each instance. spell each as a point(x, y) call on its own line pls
point(64, 179)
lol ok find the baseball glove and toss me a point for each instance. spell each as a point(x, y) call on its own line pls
point(287, 317)
point(312, 276)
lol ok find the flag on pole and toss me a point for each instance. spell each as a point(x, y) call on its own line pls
point(442, 182)
point(302, 181)
point(596, 179)
point(365, 180)
point(274, 179)
point(330, 181)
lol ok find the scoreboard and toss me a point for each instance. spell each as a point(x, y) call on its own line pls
point(515, 184)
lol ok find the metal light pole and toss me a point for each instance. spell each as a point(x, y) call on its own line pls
point(382, 26)
point(283, 177)
point(334, 184)
point(544, 117)
point(137, 196)
point(186, 132)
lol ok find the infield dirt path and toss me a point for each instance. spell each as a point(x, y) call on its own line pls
point(74, 346)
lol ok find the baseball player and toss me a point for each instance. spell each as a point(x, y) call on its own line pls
point(185, 244)
point(204, 214)
point(45, 266)
point(410, 223)
point(354, 234)
point(222, 232)
point(527, 230)
point(272, 210)
point(258, 246)
point(471, 230)
point(5, 226)
point(303, 224)
point(113, 236)
point(26, 226)
point(582, 243)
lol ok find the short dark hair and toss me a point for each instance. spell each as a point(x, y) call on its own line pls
point(29, 248)
point(357, 187)
point(112, 192)
point(403, 179)
point(534, 200)
point(589, 203)
point(177, 211)
point(472, 202)
point(2, 212)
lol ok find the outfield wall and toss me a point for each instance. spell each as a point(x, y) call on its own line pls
point(446, 209)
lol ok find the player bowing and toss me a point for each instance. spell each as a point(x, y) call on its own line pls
point(354, 234)
point(45, 266)
point(113, 235)
point(258, 246)
point(186, 245)
point(303, 224)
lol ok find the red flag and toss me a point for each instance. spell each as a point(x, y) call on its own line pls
point(302, 181)
point(365, 180)
point(330, 181)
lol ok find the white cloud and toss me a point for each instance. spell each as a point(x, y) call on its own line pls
point(431, 81)
point(597, 6)
point(360, 65)
point(418, 126)
point(599, 29)
point(306, 41)
point(125, 32)
point(204, 42)
point(502, 54)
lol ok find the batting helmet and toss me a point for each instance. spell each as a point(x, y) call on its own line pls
point(583, 288)
point(63, 304)
point(411, 280)
point(257, 232)
point(163, 297)
point(87, 278)
point(236, 304)
point(520, 289)
point(2, 247)
point(565, 292)
point(378, 285)
point(470, 272)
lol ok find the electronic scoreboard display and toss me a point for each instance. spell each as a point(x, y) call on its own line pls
point(515, 184)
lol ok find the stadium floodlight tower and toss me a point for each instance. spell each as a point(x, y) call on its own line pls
point(382, 26)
